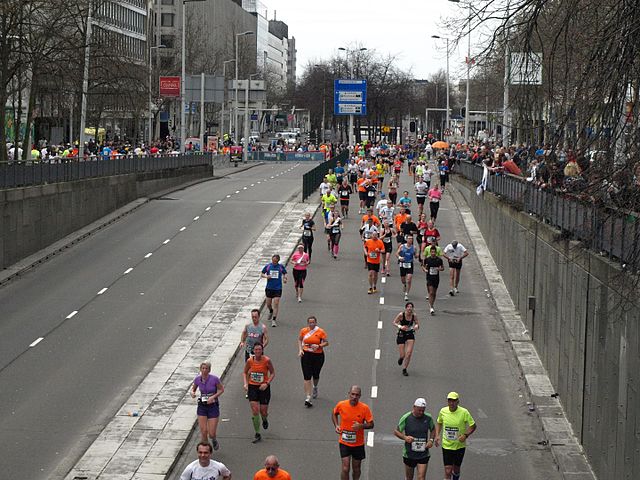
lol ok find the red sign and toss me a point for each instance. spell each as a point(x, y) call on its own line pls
point(169, 86)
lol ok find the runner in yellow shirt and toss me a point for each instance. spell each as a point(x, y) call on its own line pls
point(453, 427)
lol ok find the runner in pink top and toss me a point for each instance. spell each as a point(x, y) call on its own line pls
point(299, 260)
point(435, 195)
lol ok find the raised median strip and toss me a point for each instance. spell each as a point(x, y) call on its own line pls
point(565, 447)
point(144, 438)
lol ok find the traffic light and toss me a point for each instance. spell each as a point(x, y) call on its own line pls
point(412, 126)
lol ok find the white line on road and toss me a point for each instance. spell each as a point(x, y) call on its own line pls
point(183, 229)
point(380, 325)
point(272, 176)
point(196, 218)
point(374, 391)
point(376, 354)
point(218, 201)
point(244, 188)
point(228, 196)
point(128, 270)
point(72, 314)
point(207, 209)
point(381, 300)
point(370, 439)
point(253, 184)
point(148, 255)
point(383, 279)
point(237, 191)
point(36, 341)
point(102, 291)
point(166, 241)
point(259, 183)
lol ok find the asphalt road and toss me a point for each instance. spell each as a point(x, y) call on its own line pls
point(461, 348)
point(57, 393)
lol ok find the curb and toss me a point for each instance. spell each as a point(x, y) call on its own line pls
point(566, 450)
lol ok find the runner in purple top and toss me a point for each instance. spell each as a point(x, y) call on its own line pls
point(208, 405)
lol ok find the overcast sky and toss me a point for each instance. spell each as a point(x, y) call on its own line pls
point(402, 28)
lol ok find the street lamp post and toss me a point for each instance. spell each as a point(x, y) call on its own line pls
point(245, 144)
point(235, 98)
point(466, 103)
point(85, 86)
point(324, 92)
point(183, 120)
point(447, 119)
point(150, 99)
point(224, 97)
point(351, 117)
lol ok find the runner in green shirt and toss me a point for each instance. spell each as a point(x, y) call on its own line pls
point(454, 426)
point(417, 430)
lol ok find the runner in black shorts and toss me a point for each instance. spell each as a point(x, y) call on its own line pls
point(345, 191)
point(407, 323)
point(257, 375)
point(432, 265)
point(386, 235)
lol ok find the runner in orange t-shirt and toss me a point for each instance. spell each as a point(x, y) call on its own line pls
point(373, 248)
point(362, 192)
point(272, 470)
point(257, 376)
point(312, 341)
point(350, 419)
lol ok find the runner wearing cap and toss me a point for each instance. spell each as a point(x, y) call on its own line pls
point(312, 341)
point(453, 427)
point(417, 430)
point(454, 253)
point(351, 418)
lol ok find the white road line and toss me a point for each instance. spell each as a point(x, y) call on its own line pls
point(272, 176)
point(259, 183)
point(370, 436)
point(237, 191)
point(196, 218)
point(380, 325)
point(253, 184)
point(374, 391)
point(183, 229)
point(228, 196)
point(376, 354)
point(128, 270)
point(244, 188)
point(207, 209)
point(218, 201)
point(102, 291)
point(381, 300)
point(383, 279)
point(148, 255)
point(36, 341)
point(166, 241)
point(72, 314)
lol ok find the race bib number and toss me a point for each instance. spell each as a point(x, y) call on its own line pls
point(306, 233)
point(367, 235)
point(435, 200)
point(371, 194)
point(386, 240)
point(204, 398)
point(335, 230)
point(419, 445)
point(433, 271)
point(406, 264)
point(348, 436)
point(257, 377)
point(451, 433)
point(373, 254)
point(344, 193)
point(275, 274)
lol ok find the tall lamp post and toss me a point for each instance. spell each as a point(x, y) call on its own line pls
point(183, 93)
point(245, 144)
point(447, 118)
point(235, 97)
point(324, 93)
point(224, 98)
point(348, 51)
point(466, 104)
point(150, 99)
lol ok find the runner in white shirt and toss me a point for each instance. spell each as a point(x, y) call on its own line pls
point(387, 213)
point(204, 468)
point(427, 175)
point(454, 253)
point(422, 188)
point(382, 203)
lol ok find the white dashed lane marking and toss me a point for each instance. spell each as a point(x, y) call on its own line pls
point(370, 436)
point(381, 300)
point(195, 219)
point(228, 196)
point(237, 191)
point(207, 209)
point(128, 270)
point(166, 241)
point(218, 201)
point(102, 291)
point(380, 325)
point(36, 341)
point(383, 279)
point(253, 184)
point(183, 229)
point(148, 255)
point(374, 391)
point(376, 354)
point(72, 314)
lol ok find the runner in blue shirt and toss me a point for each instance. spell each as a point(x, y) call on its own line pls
point(275, 274)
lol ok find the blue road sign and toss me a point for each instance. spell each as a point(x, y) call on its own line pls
point(350, 97)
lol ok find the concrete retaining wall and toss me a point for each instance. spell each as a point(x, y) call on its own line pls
point(584, 326)
point(35, 217)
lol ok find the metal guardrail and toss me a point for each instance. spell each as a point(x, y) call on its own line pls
point(604, 229)
point(313, 178)
point(287, 156)
point(20, 174)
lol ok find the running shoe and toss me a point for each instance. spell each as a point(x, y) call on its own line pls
point(315, 392)
point(404, 372)
point(215, 444)
point(299, 300)
point(406, 297)
point(307, 403)
point(274, 323)
point(370, 291)
point(451, 293)
point(455, 290)
point(400, 361)
point(265, 423)
point(374, 290)
point(257, 438)
point(432, 311)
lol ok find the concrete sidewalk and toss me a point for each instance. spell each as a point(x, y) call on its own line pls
point(148, 433)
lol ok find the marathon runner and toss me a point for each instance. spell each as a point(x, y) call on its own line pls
point(339, 171)
point(386, 235)
point(432, 265)
point(422, 188)
point(271, 470)
point(417, 429)
point(254, 332)
point(435, 195)
point(257, 375)
point(334, 226)
point(275, 274)
point(351, 418)
point(208, 406)
point(366, 232)
point(345, 192)
point(204, 467)
point(300, 261)
point(308, 227)
point(352, 170)
point(406, 253)
point(393, 189)
point(407, 323)
point(312, 342)
point(405, 202)
point(453, 428)
point(373, 248)
point(454, 253)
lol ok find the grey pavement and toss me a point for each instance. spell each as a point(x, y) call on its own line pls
point(463, 347)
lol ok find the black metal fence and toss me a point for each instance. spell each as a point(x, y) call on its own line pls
point(16, 174)
point(611, 231)
point(313, 178)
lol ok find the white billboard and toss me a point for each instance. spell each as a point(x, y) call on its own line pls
point(526, 68)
